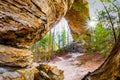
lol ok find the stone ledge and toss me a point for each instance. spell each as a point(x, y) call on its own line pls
point(18, 74)
point(11, 56)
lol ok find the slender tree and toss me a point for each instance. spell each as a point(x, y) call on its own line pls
point(110, 20)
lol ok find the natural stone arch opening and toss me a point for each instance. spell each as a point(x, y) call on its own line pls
point(58, 38)
point(22, 23)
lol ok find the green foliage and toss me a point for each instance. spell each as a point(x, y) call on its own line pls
point(43, 41)
point(63, 36)
point(102, 37)
point(63, 39)
point(101, 40)
point(110, 16)
point(79, 6)
point(47, 45)
point(82, 8)
point(105, 1)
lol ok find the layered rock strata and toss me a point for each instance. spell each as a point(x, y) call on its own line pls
point(22, 23)
point(15, 57)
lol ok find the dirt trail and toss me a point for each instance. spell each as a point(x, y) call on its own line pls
point(76, 65)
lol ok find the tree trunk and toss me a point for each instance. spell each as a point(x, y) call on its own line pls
point(110, 69)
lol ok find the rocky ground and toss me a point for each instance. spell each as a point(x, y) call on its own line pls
point(76, 65)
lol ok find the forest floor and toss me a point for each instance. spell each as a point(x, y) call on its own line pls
point(77, 65)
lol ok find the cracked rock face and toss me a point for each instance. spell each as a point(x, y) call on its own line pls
point(10, 56)
point(23, 22)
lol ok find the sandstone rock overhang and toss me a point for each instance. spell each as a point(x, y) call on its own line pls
point(23, 22)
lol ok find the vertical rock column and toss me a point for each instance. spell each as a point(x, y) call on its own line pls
point(77, 16)
point(22, 23)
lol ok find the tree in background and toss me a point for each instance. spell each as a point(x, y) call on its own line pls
point(104, 34)
point(64, 38)
point(110, 16)
point(102, 40)
point(47, 45)
point(110, 69)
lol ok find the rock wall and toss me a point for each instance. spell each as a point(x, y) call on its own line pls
point(22, 23)
point(77, 16)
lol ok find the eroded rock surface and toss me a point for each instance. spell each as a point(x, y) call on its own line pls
point(47, 72)
point(42, 72)
point(15, 57)
point(23, 22)
point(77, 16)
point(17, 74)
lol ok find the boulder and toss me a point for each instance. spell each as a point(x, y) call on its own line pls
point(42, 72)
point(47, 72)
point(15, 57)
point(17, 74)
